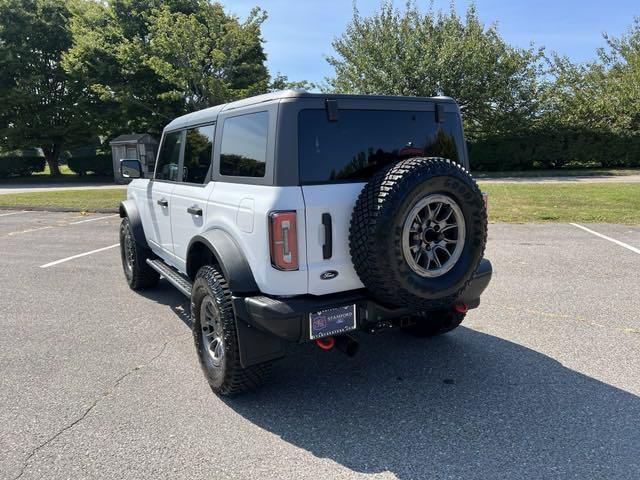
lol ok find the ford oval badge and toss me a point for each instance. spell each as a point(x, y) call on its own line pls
point(328, 275)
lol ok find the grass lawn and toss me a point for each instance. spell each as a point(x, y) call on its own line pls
point(89, 199)
point(583, 202)
point(67, 176)
point(64, 170)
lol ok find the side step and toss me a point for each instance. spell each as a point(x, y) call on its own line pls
point(174, 277)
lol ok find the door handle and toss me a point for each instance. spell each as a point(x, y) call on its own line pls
point(197, 211)
point(163, 202)
point(327, 247)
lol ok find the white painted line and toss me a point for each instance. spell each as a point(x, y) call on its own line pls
point(28, 231)
point(94, 219)
point(12, 213)
point(51, 264)
point(617, 242)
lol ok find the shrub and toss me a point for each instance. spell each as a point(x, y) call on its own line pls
point(549, 149)
point(20, 165)
point(98, 164)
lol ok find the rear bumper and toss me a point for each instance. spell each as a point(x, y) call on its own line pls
point(288, 318)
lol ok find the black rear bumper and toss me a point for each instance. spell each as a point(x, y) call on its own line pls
point(264, 323)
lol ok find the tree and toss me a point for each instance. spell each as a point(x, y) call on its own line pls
point(413, 53)
point(600, 95)
point(151, 61)
point(42, 105)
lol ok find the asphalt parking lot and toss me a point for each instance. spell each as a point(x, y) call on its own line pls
point(543, 381)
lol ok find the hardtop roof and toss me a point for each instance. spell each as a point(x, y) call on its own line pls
point(211, 114)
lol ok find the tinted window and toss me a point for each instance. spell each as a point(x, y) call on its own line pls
point(169, 156)
point(363, 141)
point(244, 145)
point(197, 154)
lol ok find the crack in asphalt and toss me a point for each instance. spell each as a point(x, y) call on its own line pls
point(95, 403)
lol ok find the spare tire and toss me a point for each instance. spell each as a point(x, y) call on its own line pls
point(418, 232)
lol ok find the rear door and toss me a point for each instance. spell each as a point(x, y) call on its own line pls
point(337, 156)
point(190, 194)
point(159, 191)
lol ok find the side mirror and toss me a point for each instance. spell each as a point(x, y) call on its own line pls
point(131, 168)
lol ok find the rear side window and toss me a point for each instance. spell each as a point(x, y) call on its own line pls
point(197, 154)
point(169, 156)
point(360, 142)
point(243, 152)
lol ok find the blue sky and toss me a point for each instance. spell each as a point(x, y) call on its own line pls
point(298, 33)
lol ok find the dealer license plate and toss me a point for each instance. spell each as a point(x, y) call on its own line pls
point(332, 321)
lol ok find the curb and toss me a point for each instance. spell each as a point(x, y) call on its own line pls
point(37, 208)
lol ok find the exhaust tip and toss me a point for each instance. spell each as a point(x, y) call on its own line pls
point(347, 345)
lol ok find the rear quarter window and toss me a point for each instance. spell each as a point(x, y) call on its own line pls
point(243, 152)
point(361, 142)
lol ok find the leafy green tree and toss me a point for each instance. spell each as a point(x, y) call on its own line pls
point(408, 52)
point(150, 61)
point(600, 95)
point(42, 105)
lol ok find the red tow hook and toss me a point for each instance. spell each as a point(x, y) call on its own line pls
point(326, 343)
point(461, 307)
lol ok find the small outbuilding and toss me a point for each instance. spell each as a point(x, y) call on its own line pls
point(141, 146)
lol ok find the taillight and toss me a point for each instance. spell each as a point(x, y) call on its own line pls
point(283, 240)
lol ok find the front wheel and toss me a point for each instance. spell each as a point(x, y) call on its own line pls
point(216, 339)
point(139, 275)
point(431, 324)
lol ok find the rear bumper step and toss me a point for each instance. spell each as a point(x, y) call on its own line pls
point(288, 318)
point(174, 277)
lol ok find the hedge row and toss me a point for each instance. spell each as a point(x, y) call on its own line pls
point(555, 149)
point(98, 164)
point(20, 165)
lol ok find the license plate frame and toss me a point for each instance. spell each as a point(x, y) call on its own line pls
point(332, 321)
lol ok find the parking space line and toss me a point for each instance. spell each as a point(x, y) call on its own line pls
point(613, 240)
point(62, 260)
point(28, 231)
point(94, 219)
point(13, 213)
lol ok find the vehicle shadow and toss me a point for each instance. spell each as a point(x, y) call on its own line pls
point(166, 294)
point(465, 405)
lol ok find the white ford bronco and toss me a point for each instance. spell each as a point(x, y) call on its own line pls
point(296, 217)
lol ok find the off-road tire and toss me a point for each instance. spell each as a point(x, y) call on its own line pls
point(138, 273)
point(431, 324)
point(375, 237)
point(228, 378)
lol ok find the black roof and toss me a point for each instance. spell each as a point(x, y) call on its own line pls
point(132, 137)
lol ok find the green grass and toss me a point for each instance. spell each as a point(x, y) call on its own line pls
point(583, 202)
point(89, 199)
point(64, 170)
point(67, 176)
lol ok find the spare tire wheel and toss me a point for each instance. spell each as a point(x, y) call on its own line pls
point(418, 232)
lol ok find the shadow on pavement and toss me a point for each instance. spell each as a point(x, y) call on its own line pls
point(465, 405)
point(165, 294)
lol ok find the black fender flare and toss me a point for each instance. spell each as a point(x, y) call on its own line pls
point(228, 256)
point(129, 209)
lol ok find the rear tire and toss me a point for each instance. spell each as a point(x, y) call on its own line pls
point(138, 273)
point(431, 324)
point(216, 339)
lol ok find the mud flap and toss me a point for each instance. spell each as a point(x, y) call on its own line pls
point(256, 346)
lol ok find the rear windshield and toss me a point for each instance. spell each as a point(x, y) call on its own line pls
point(355, 146)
